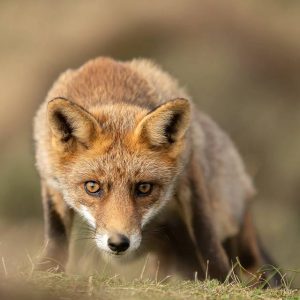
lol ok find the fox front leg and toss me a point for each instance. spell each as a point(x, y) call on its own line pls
point(212, 255)
point(58, 222)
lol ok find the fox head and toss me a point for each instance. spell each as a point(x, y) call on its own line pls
point(116, 165)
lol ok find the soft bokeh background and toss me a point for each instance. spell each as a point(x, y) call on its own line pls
point(240, 60)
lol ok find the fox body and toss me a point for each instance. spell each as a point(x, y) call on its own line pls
point(120, 144)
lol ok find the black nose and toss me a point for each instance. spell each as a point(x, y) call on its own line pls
point(118, 243)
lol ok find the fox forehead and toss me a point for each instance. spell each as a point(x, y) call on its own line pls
point(124, 165)
point(118, 118)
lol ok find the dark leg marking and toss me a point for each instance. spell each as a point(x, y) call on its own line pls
point(55, 227)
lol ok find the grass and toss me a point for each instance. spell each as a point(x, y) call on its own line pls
point(45, 285)
point(19, 281)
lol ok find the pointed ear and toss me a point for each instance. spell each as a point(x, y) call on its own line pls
point(70, 124)
point(166, 124)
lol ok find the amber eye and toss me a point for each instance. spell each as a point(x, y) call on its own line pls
point(92, 188)
point(143, 189)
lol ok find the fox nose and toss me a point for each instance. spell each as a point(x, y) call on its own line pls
point(118, 243)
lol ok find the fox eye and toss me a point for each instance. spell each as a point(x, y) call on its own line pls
point(143, 189)
point(92, 188)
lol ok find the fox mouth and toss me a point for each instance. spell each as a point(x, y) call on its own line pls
point(121, 255)
point(117, 255)
point(111, 253)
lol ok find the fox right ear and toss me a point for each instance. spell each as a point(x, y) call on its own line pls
point(166, 124)
point(71, 124)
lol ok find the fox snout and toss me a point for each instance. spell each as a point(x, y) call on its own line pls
point(115, 233)
point(118, 243)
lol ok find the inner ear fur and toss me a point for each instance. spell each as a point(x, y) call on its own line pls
point(71, 124)
point(166, 124)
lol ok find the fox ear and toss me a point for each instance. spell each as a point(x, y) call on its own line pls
point(166, 124)
point(70, 124)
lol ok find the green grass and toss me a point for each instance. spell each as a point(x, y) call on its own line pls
point(42, 285)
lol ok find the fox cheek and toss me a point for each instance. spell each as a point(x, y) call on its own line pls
point(147, 217)
point(86, 214)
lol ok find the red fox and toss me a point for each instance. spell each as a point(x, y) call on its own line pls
point(122, 145)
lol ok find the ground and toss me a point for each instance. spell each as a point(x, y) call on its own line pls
point(21, 248)
point(48, 286)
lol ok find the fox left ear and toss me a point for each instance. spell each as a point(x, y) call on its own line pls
point(166, 124)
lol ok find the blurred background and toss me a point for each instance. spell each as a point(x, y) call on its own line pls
point(240, 61)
